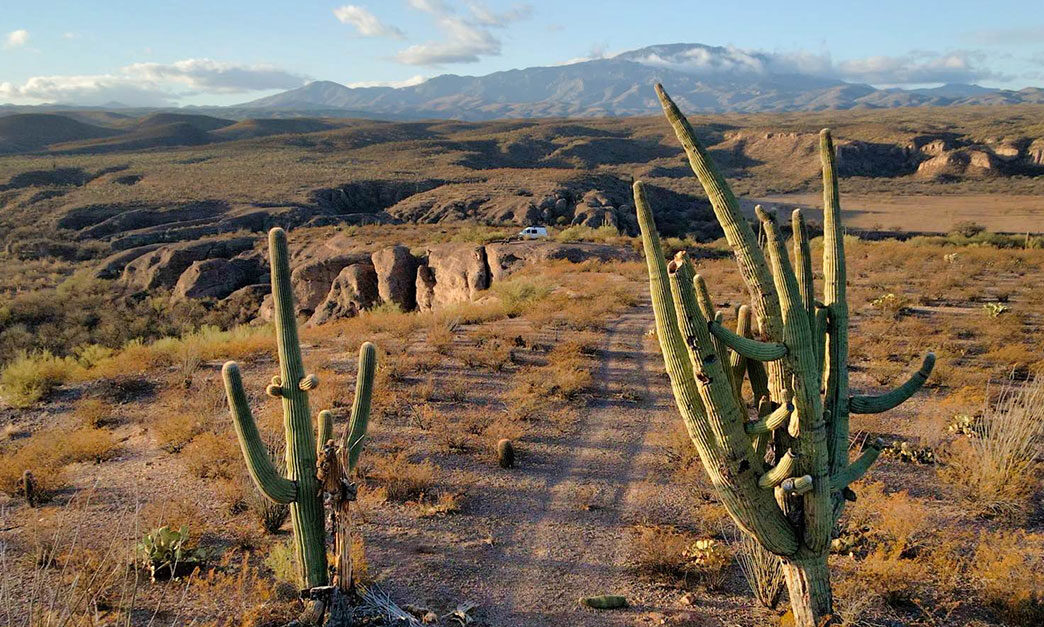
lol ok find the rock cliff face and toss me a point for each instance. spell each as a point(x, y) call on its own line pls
point(330, 283)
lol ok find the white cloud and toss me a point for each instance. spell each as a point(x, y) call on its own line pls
point(152, 84)
point(365, 22)
point(466, 38)
point(16, 38)
point(914, 68)
point(409, 82)
point(216, 76)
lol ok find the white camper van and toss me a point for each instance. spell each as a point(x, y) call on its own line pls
point(533, 232)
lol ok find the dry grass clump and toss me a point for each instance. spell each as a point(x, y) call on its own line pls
point(212, 455)
point(46, 454)
point(1009, 577)
point(761, 569)
point(401, 479)
point(93, 412)
point(667, 553)
point(995, 467)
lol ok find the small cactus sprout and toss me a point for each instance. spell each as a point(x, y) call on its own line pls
point(505, 453)
point(28, 489)
point(604, 602)
point(784, 475)
point(300, 488)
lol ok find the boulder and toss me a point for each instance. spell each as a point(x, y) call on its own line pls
point(216, 278)
point(425, 288)
point(460, 272)
point(163, 266)
point(244, 303)
point(507, 257)
point(396, 271)
point(312, 280)
point(112, 266)
point(353, 290)
point(1035, 152)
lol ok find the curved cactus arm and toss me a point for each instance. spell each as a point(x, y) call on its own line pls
point(267, 479)
point(775, 419)
point(747, 347)
point(811, 434)
point(782, 470)
point(323, 430)
point(898, 396)
point(797, 485)
point(751, 507)
point(355, 432)
point(703, 297)
point(740, 236)
point(856, 470)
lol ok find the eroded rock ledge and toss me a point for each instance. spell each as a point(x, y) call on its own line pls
point(331, 282)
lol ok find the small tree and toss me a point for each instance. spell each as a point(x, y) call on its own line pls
point(798, 371)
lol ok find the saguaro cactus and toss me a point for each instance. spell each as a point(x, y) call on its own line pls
point(300, 488)
point(788, 496)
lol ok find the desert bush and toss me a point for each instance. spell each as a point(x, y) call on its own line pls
point(46, 454)
point(1009, 578)
point(93, 412)
point(402, 479)
point(210, 455)
point(280, 560)
point(660, 551)
point(968, 228)
point(31, 376)
point(168, 553)
point(519, 294)
point(996, 470)
point(892, 305)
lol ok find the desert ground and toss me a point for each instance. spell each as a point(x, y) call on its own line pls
point(136, 265)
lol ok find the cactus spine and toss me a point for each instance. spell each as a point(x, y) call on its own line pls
point(797, 367)
point(300, 488)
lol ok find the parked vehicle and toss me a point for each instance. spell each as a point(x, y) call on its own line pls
point(533, 232)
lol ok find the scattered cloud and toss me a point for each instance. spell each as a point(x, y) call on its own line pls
point(215, 76)
point(16, 38)
point(152, 84)
point(366, 23)
point(914, 68)
point(409, 82)
point(466, 38)
point(960, 66)
point(1005, 36)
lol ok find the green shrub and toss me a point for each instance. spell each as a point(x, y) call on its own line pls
point(31, 376)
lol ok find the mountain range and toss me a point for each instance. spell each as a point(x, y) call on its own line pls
point(622, 86)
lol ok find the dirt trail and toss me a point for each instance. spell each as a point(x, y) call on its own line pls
point(572, 538)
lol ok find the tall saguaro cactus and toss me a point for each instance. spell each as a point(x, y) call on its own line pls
point(300, 488)
point(789, 495)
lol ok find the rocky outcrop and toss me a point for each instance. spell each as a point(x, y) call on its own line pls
point(312, 280)
point(970, 161)
point(162, 267)
point(460, 272)
point(425, 288)
point(396, 271)
point(216, 278)
point(353, 290)
point(504, 258)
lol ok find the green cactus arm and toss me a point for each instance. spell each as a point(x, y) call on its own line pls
point(898, 396)
point(267, 479)
point(740, 236)
point(703, 297)
point(323, 430)
point(797, 485)
point(774, 420)
point(835, 297)
point(803, 265)
point(855, 471)
point(737, 486)
point(811, 434)
point(747, 347)
point(355, 432)
point(782, 470)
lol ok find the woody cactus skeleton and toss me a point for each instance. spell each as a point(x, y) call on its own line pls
point(797, 368)
point(301, 487)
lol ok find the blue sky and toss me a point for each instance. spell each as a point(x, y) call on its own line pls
point(228, 51)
